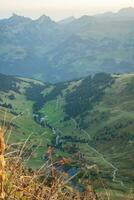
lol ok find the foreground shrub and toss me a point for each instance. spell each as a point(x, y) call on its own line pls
point(19, 183)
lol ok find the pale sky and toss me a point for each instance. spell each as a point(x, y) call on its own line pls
point(58, 9)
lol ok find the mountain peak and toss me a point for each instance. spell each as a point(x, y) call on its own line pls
point(44, 18)
point(127, 11)
point(15, 15)
point(17, 18)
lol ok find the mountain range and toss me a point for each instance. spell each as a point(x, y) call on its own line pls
point(72, 48)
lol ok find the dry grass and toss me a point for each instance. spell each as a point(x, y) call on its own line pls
point(2, 164)
point(19, 183)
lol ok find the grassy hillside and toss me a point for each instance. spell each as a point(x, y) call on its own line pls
point(96, 116)
point(89, 120)
point(16, 112)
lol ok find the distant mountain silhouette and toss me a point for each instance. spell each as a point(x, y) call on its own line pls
point(67, 20)
point(74, 47)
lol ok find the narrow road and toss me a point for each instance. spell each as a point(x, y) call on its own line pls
point(115, 169)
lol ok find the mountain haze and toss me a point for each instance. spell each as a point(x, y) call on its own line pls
point(59, 51)
point(67, 107)
point(67, 20)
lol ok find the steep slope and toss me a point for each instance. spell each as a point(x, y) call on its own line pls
point(16, 113)
point(55, 52)
point(89, 120)
point(95, 116)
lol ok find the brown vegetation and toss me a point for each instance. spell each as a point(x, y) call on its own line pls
point(19, 183)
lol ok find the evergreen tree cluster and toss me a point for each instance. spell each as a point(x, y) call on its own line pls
point(89, 92)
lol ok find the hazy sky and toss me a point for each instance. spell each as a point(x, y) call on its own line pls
point(58, 9)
